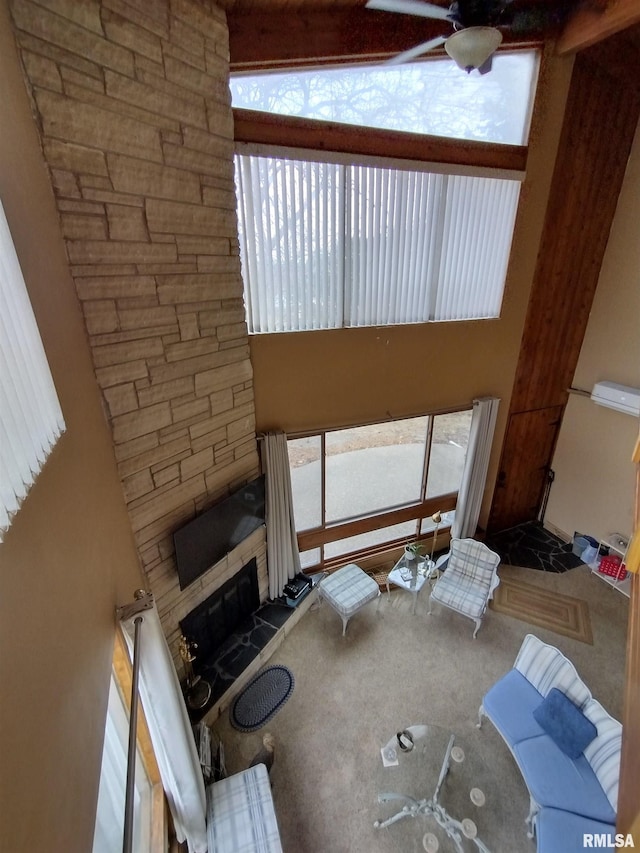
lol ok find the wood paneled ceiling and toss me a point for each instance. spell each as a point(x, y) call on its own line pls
point(286, 33)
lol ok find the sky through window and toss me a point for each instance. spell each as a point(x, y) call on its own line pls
point(431, 97)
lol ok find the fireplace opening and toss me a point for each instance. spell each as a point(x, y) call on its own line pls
point(230, 628)
point(219, 616)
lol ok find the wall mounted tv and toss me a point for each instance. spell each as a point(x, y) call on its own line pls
point(204, 541)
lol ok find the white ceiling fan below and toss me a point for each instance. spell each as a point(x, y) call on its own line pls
point(470, 47)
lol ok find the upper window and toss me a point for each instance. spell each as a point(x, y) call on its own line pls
point(431, 96)
point(30, 417)
point(328, 245)
point(330, 239)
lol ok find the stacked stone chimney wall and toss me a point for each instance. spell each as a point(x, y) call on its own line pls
point(132, 103)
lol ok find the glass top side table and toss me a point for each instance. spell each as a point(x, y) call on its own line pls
point(434, 792)
point(411, 575)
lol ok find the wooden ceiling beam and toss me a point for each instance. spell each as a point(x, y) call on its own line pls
point(592, 23)
point(284, 38)
point(263, 128)
point(618, 57)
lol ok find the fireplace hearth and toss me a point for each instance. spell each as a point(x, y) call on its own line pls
point(230, 629)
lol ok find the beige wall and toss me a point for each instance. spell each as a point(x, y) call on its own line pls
point(593, 491)
point(308, 380)
point(69, 557)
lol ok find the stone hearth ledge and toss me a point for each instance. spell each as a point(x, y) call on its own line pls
point(219, 707)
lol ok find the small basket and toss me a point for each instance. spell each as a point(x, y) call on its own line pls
point(613, 566)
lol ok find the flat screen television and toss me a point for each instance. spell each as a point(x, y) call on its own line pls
point(204, 541)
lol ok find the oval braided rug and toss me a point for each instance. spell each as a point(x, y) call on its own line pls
point(263, 697)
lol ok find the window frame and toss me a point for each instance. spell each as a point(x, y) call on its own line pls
point(122, 673)
point(293, 206)
point(259, 131)
point(262, 133)
point(327, 532)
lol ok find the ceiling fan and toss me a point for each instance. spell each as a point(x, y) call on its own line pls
point(476, 34)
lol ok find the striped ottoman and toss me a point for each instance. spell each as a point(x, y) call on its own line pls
point(347, 590)
point(240, 814)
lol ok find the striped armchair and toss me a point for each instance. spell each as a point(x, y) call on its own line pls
point(469, 580)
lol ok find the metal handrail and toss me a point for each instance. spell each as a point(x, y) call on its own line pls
point(143, 601)
point(127, 840)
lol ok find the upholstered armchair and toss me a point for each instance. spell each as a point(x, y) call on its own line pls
point(469, 580)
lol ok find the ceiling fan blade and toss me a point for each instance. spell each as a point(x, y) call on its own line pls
point(410, 7)
point(418, 50)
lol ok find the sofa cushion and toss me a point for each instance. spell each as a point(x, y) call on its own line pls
point(558, 831)
point(561, 782)
point(565, 723)
point(546, 667)
point(603, 753)
point(349, 589)
point(510, 704)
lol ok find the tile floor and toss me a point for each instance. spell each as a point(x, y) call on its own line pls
point(531, 546)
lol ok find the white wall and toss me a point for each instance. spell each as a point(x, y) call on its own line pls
point(594, 483)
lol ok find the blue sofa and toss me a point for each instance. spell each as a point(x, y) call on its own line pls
point(570, 794)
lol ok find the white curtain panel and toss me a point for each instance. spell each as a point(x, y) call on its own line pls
point(474, 476)
point(283, 557)
point(170, 731)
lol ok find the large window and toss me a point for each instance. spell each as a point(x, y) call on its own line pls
point(431, 96)
point(330, 238)
point(329, 245)
point(363, 489)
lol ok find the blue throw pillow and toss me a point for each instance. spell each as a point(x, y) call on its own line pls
point(565, 723)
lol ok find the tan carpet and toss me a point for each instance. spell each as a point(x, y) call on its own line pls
point(392, 669)
point(562, 614)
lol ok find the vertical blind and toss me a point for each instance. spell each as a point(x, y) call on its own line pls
point(30, 417)
point(326, 245)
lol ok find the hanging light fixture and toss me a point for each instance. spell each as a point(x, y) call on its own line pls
point(471, 47)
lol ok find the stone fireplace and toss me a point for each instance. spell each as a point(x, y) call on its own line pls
point(231, 629)
point(217, 617)
point(139, 143)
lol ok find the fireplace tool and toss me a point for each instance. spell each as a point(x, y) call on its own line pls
point(198, 690)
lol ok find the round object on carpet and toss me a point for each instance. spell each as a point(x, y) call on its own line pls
point(430, 842)
point(263, 697)
point(469, 828)
point(477, 797)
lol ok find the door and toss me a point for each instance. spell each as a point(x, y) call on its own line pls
point(524, 467)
